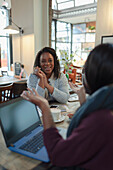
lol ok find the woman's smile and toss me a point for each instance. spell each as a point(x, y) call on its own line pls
point(47, 63)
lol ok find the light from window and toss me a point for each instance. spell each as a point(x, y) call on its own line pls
point(53, 31)
point(79, 38)
point(90, 37)
point(83, 41)
point(54, 4)
point(59, 1)
point(53, 44)
point(63, 32)
point(63, 46)
point(66, 5)
point(3, 21)
point(4, 40)
point(79, 28)
point(83, 2)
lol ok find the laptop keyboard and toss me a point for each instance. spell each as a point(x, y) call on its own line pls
point(34, 144)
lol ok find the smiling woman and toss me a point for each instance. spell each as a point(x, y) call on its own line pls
point(47, 79)
point(47, 63)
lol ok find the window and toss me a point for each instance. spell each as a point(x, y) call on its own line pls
point(78, 39)
point(83, 2)
point(5, 60)
point(64, 4)
point(53, 35)
point(83, 40)
point(61, 38)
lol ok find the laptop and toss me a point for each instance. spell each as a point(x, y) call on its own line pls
point(22, 128)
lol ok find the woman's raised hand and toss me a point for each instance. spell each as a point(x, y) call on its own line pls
point(45, 79)
point(74, 87)
point(34, 97)
point(80, 91)
point(37, 71)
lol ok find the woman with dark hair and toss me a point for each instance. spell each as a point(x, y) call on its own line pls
point(89, 143)
point(46, 77)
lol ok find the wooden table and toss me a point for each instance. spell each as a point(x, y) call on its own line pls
point(14, 161)
point(10, 79)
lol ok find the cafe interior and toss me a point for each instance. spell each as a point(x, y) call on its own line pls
point(71, 27)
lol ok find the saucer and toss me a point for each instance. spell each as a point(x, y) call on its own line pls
point(62, 118)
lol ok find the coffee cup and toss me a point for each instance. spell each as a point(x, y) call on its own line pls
point(56, 114)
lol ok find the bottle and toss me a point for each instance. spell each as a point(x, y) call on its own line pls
point(67, 75)
point(12, 67)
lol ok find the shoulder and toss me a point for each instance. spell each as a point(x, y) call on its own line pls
point(101, 118)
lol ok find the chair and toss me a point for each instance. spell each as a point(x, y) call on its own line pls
point(72, 76)
point(4, 73)
point(18, 88)
point(5, 93)
point(79, 73)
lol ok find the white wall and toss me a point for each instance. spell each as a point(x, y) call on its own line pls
point(32, 16)
point(41, 24)
point(104, 19)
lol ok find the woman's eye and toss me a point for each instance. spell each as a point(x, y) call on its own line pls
point(43, 61)
point(50, 61)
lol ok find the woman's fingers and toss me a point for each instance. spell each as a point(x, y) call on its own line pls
point(73, 85)
point(34, 92)
point(36, 70)
point(43, 74)
point(24, 95)
point(30, 91)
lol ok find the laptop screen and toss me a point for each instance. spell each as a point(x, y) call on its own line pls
point(17, 116)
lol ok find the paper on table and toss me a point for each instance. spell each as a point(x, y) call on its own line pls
point(73, 97)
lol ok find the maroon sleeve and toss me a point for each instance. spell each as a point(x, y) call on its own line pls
point(75, 149)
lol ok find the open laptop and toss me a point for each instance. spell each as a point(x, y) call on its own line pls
point(21, 125)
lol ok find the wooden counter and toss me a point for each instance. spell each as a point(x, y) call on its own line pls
point(10, 79)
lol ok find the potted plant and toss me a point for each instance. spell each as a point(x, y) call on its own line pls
point(91, 28)
point(67, 60)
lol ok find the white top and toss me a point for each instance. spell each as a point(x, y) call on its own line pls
point(61, 90)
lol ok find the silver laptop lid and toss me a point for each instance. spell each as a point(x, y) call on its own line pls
point(18, 117)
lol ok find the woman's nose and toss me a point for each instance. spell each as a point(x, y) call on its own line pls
point(47, 63)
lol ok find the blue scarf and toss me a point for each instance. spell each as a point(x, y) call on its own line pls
point(101, 99)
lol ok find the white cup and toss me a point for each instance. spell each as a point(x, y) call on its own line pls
point(56, 114)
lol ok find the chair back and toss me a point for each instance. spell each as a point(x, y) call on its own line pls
point(79, 73)
point(72, 76)
point(4, 73)
point(18, 88)
point(5, 93)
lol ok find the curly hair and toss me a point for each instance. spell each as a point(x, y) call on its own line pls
point(99, 67)
point(56, 69)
